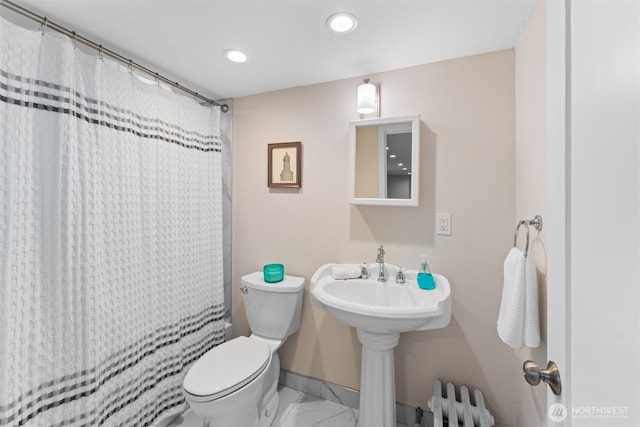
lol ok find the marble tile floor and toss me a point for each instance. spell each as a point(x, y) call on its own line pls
point(297, 409)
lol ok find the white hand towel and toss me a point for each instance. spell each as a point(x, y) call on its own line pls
point(343, 272)
point(531, 316)
point(518, 321)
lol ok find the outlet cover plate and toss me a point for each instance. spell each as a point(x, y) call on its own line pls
point(443, 224)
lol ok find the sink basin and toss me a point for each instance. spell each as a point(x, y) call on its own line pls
point(384, 307)
point(380, 311)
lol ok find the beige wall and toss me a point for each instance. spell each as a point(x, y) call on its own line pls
point(467, 111)
point(531, 189)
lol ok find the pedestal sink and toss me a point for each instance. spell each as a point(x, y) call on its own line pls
point(380, 312)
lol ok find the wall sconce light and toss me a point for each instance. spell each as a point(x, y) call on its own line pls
point(368, 98)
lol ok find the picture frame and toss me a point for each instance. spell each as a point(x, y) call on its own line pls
point(284, 165)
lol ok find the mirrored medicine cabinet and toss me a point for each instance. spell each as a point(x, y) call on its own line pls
point(384, 158)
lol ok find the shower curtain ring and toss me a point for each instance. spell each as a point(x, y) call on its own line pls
point(130, 66)
point(75, 40)
point(44, 25)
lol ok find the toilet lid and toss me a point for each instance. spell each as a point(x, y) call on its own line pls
point(227, 367)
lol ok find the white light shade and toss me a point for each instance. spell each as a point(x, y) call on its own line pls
point(342, 23)
point(235, 55)
point(366, 98)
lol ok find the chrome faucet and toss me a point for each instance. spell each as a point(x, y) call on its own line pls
point(380, 261)
point(364, 273)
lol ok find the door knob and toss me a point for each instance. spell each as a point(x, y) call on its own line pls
point(533, 375)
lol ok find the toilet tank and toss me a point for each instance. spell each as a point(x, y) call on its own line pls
point(273, 309)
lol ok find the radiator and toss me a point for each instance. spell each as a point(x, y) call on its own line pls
point(458, 413)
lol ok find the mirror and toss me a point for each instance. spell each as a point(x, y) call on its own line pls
point(384, 158)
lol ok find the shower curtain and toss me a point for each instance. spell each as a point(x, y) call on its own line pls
point(111, 277)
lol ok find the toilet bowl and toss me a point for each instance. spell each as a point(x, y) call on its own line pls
point(235, 383)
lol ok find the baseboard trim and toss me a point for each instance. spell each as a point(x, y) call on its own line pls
point(405, 414)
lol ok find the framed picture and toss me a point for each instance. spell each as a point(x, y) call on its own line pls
point(284, 165)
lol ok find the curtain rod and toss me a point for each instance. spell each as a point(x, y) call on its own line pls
point(104, 51)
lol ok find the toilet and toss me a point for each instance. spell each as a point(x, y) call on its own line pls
point(235, 383)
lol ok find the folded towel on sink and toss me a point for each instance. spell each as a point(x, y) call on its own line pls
point(343, 272)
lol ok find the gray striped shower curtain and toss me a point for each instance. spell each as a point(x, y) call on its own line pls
point(111, 278)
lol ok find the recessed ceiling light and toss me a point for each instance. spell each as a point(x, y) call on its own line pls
point(392, 155)
point(235, 55)
point(400, 164)
point(342, 23)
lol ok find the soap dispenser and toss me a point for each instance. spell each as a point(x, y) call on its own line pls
point(425, 278)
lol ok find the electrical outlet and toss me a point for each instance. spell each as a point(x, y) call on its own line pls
point(443, 224)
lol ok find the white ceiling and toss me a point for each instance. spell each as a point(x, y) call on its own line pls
point(287, 42)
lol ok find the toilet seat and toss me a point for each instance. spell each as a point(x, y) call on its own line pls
point(226, 368)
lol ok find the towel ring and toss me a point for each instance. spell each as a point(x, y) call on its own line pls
point(515, 236)
point(537, 224)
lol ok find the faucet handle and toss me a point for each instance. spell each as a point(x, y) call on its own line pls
point(364, 273)
point(400, 276)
